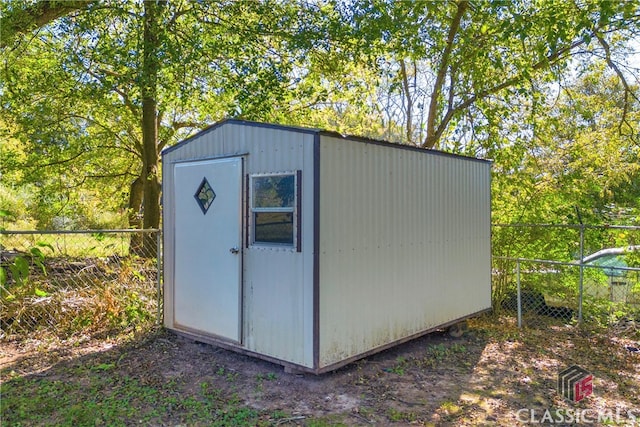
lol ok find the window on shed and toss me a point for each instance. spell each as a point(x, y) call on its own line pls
point(273, 209)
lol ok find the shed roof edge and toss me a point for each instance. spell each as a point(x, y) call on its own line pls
point(316, 131)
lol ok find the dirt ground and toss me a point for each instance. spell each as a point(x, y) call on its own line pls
point(494, 375)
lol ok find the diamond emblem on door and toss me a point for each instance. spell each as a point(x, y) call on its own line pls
point(205, 195)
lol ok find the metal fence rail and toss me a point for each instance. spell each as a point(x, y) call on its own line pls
point(64, 283)
point(573, 273)
point(543, 301)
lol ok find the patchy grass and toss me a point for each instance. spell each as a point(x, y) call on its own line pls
point(97, 391)
point(162, 379)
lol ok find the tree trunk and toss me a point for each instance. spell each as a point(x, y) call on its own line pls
point(434, 132)
point(408, 102)
point(150, 161)
point(136, 191)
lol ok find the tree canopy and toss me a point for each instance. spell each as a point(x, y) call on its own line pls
point(93, 91)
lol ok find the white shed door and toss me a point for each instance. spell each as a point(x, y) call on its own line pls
point(208, 237)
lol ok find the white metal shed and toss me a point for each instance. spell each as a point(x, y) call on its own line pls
point(311, 249)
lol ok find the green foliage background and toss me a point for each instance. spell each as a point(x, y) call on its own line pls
point(548, 91)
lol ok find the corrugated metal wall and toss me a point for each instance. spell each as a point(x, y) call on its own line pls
point(404, 244)
point(278, 282)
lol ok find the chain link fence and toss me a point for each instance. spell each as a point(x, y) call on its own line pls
point(78, 283)
point(568, 274)
point(66, 283)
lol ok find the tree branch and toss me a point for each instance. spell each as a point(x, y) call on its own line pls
point(627, 89)
point(176, 126)
point(432, 137)
point(126, 147)
point(543, 63)
point(409, 101)
point(20, 21)
point(125, 98)
point(59, 162)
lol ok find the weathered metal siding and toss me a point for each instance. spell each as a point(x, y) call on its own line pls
point(404, 244)
point(277, 282)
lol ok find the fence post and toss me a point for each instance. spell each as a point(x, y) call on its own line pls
point(581, 280)
point(158, 276)
point(519, 294)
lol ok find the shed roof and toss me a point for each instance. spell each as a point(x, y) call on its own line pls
point(313, 131)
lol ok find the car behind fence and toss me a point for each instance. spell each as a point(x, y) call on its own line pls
point(567, 273)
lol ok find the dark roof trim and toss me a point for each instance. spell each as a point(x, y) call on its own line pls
point(313, 131)
point(237, 122)
point(401, 146)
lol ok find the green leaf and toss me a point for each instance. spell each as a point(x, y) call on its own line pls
point(45, 245)
point(37, 253)
point(40, 293)
point(19, 270)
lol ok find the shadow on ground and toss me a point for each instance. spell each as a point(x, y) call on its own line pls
point(483, 378)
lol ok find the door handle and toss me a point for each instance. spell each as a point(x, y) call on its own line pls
point(234, 250)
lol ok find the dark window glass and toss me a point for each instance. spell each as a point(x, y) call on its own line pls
point(276, 191)
point(273, 227)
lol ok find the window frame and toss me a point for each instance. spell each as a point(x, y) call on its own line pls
point(294, 210)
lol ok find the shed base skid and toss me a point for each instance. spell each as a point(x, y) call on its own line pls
point(293, 368)
point(208, 339)
point(457, 330)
